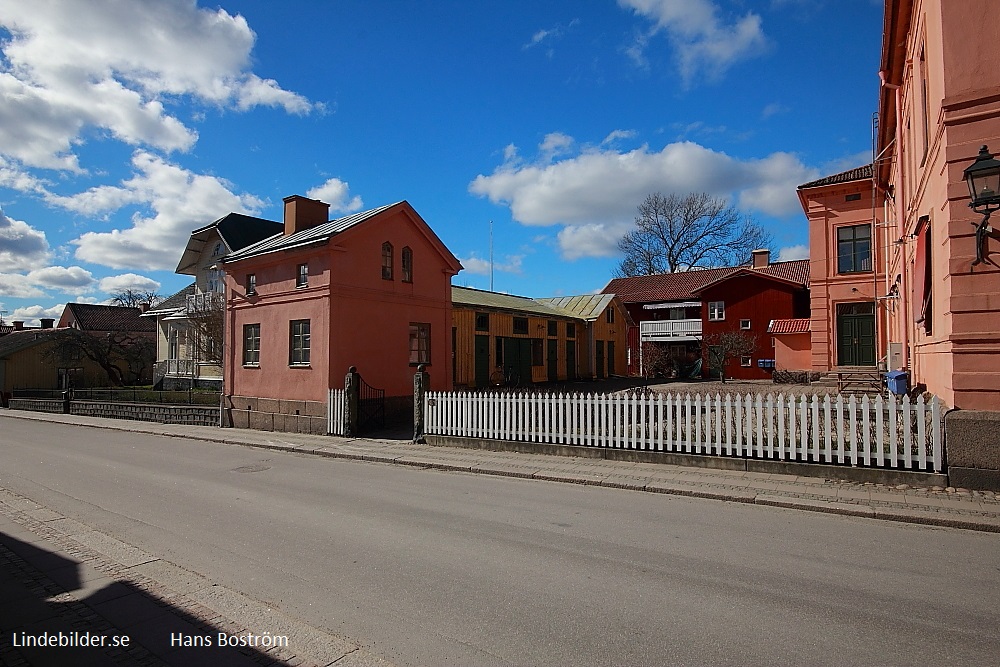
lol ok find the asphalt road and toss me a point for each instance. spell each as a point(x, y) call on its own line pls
point(443, 568)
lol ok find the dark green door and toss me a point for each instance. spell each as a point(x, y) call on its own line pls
point(600, 360)
point(517, 359)
point(611, 357)
point(482, 361)
point(571, 360)
point(856, 334)
point(553, 360)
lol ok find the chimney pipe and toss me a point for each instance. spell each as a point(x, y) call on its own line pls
point(303, 213)
point(46, 322)
point(761, 258)
point(18, 325)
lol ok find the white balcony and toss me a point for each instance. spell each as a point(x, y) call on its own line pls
point(667, 330)
point(204, 302)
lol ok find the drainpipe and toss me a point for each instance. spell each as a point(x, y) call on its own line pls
point(900, 196)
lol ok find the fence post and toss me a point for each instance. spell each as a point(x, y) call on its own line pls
point(351, 386)
point(421, 382)
point(65, 401)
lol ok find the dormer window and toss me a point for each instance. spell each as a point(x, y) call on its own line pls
point(386, 261)
point(219, 250)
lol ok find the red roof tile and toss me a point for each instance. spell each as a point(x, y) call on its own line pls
point(685, 284)
point(96, 317)
point(858, 174)
point(800, 325)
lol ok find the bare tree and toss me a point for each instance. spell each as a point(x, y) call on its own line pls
point(133, 298)
point(127, 358)
point(723, 347)
point(674, 233)
point(205, 318)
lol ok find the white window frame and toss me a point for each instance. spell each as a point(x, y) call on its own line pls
point(746, 362)
point(745, 325)
point(716, 311)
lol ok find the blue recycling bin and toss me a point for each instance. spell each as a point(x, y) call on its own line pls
point(898, 382)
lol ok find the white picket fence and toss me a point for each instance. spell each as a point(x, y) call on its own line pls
point(336, 412)
point(875, 432)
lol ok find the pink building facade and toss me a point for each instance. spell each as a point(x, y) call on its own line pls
point(939, 103)
point(371, 290)
point(847, 282)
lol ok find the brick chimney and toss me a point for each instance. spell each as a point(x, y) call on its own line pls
point(761, 258)
point(46, 322)
point(303, 213)
point(144, 307)
point(18, 325)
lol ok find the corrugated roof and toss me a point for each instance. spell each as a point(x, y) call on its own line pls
point(95, 317)
point(309, 236)
point(856, 174)
point(798, 325)
point(586, 306)
point(683, 285)
point(467, 296)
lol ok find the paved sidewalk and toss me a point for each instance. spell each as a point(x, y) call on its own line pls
point(958, 508)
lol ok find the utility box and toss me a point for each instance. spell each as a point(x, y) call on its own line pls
point(898, 382)
point(895, 359)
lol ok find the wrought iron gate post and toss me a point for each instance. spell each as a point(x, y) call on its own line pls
point(421, 381)
point(351, 386)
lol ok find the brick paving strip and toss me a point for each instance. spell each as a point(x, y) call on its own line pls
point(197, 604)
point(935, 506)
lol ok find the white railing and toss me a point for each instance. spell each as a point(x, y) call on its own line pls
point(185, 367)
point(886, 433)
point(337, 412)
point(667, 329)
point(204, 301)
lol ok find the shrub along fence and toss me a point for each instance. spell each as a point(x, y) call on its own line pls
point(874, 432)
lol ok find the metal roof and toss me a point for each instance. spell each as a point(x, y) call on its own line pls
point(313, 235)
point(469, 297)
point(588, 306)
point(174, 302)
point(236, 230)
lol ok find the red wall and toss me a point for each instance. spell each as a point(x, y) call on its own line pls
point(356, 317)
point(754, 298)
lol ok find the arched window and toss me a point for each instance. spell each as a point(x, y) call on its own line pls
point(407, 265)
point(386, 261)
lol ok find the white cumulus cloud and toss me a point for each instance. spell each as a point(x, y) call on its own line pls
point(337, 194)
point(176, 201)
point(22, 247)
point(793, 252)
point(704, 42)
point(71, 279)
point(479, 266)
point(112, 65)
point(128, 281)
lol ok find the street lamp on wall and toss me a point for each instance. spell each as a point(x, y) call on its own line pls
point(983, 179)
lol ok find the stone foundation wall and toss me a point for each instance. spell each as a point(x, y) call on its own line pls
point(198, 415)
point(36, 405)
point(270, 414)
point(972, 446)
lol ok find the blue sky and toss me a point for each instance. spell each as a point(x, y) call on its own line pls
point(126, 124)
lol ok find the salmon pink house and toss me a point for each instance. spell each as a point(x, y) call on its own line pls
point(371, 290)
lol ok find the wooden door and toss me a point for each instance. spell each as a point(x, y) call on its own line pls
point(482, 355)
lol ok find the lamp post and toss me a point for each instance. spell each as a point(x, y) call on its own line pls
point(983, 178)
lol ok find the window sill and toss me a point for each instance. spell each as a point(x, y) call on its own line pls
point(251, 365)
point(414, 364)
point(300, 365)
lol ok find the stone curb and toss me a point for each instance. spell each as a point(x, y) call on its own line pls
point(945, 517)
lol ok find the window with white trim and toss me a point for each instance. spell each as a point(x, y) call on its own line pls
point(745, 325)
point(745, 361)
point(716, 311)
point(298, 343)
point(251, 344)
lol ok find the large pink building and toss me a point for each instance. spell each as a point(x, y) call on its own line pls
point(371, 290)
point(939, 103)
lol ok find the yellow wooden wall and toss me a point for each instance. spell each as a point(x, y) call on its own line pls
point(502, 325)
point(29, 369)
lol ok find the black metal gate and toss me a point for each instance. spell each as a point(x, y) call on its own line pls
point(371, 407)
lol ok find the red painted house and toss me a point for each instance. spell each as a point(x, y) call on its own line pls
point(675, 310)
point(371, 290)
point(745, 301)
